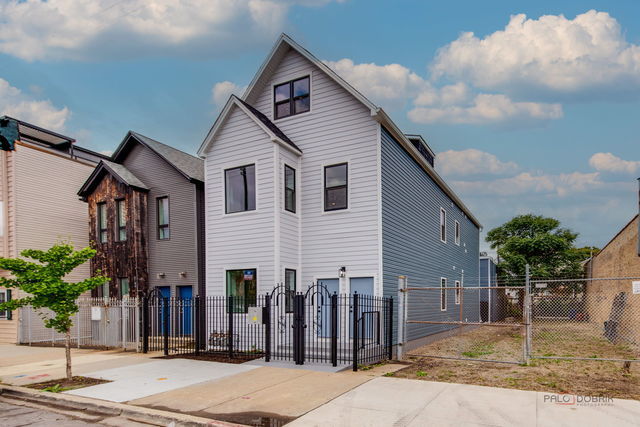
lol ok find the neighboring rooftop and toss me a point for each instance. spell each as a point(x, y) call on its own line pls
point(190, 166)
point(118, 171)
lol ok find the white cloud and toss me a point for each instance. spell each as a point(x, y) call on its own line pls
point(528, 183)
point(487, 108)
point(221, 92)
point(15, 103)
point(607, 162)
point(97, 29)
point(588, 53)
point(472, 162)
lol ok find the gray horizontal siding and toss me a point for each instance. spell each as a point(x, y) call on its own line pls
point(411, 245)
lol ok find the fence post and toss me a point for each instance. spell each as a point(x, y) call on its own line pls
point(196, 320)
point(334, 329)
point(402, 310)
point(266, 320)
point(165, 324)
point(527, 317)
point(390, 329)
point(355, 331)
point(145, 324)
point(230, 327)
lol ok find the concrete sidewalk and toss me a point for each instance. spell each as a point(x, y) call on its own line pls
point(402, 402)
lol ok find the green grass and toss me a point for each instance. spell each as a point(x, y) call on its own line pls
point(56, 388)
point(421, 374)
point(478, 350)
point(389, 374)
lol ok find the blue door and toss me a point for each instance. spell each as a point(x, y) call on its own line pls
point(165, 291)
point(185, 293)
point(323, 319)
point(368, 312)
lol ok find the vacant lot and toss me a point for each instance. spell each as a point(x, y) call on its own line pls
point(558, 376)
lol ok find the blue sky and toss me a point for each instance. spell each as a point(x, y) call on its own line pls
point(530, 113)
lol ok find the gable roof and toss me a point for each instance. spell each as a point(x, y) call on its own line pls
point(282, 46)
point(118, 171)
point(260, 119)
point(189, 166)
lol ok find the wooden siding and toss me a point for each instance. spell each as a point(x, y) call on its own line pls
point(179, 253)
point(337, 129)
point(116, 259)
point(411, 203)
point(43, 207)
point(243, 239)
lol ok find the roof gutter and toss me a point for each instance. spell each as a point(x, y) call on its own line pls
point(381, 117)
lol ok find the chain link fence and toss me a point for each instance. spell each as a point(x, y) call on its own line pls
point(521, 319)
point(100, 323)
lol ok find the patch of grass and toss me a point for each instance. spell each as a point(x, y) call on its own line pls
point(55, 388)
point(478, 350)
point(389, 374)
point(421, 374)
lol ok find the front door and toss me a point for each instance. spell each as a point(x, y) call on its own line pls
point(368, 313)
point(185, 293)
point(323, 318)
point(165, 292)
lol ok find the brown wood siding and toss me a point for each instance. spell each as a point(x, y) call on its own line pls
point(117, 259)
point(168, 258)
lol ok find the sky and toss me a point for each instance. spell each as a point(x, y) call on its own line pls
point(531, 107)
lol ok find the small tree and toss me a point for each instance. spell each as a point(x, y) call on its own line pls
point(43, 282)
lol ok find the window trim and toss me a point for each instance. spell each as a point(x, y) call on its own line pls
point(443, 293)
point(293, 291)
point(443, 225)
point(99, 228)
point(163, 226)
point(119, 226)
point(458, 292)
point(4, 314)
point(291, 99)
point(255, 188)
point(457, 232)
point(325, 188)
point(286, 189)
point(120, 279)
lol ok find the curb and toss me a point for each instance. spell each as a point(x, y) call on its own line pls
point(112, 409)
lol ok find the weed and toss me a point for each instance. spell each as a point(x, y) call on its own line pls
point(421, 374)
point(389, 374)
point(55, 388)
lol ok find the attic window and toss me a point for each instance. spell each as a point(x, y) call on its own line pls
point(291, 98)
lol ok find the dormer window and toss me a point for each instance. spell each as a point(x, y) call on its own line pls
point(291, 98)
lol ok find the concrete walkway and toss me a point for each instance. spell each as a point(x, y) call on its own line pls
point(402, 402)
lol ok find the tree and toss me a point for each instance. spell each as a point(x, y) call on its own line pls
point(43, 282)
point(540, 242)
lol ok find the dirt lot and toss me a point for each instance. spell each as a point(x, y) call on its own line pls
point(558, 376)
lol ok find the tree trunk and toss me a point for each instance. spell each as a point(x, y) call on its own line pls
point(67, 350)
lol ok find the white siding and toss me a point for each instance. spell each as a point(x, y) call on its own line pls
point(289, 222)
point(338, 129)
point(245, 239)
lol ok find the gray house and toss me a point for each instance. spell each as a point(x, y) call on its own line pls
point(146, 219)
point(309, 183)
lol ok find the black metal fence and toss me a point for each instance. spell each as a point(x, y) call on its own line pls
point(311, 327)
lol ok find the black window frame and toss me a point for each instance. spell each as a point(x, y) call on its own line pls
point(291, 100)
point(4, 314)
point(289, 293)
point(120, 226)
point(242, 307)
point(336, 187)
point(103, 233)
point(164, 226)
point(246, 192)
point(288, 190)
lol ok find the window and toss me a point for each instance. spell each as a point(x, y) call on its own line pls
point(102, 222)
point(124, 286)
point(122, 220)
point(242, 285)
point(240, 189)
point(458, 292)
point(289, 289)
point(291, 98)
point(443, 294)
point(443, 225)
point(3, 298)
point(457, 231)
point(290, 189)
point(335, 187)
point(163, 218)
point(105, 289)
